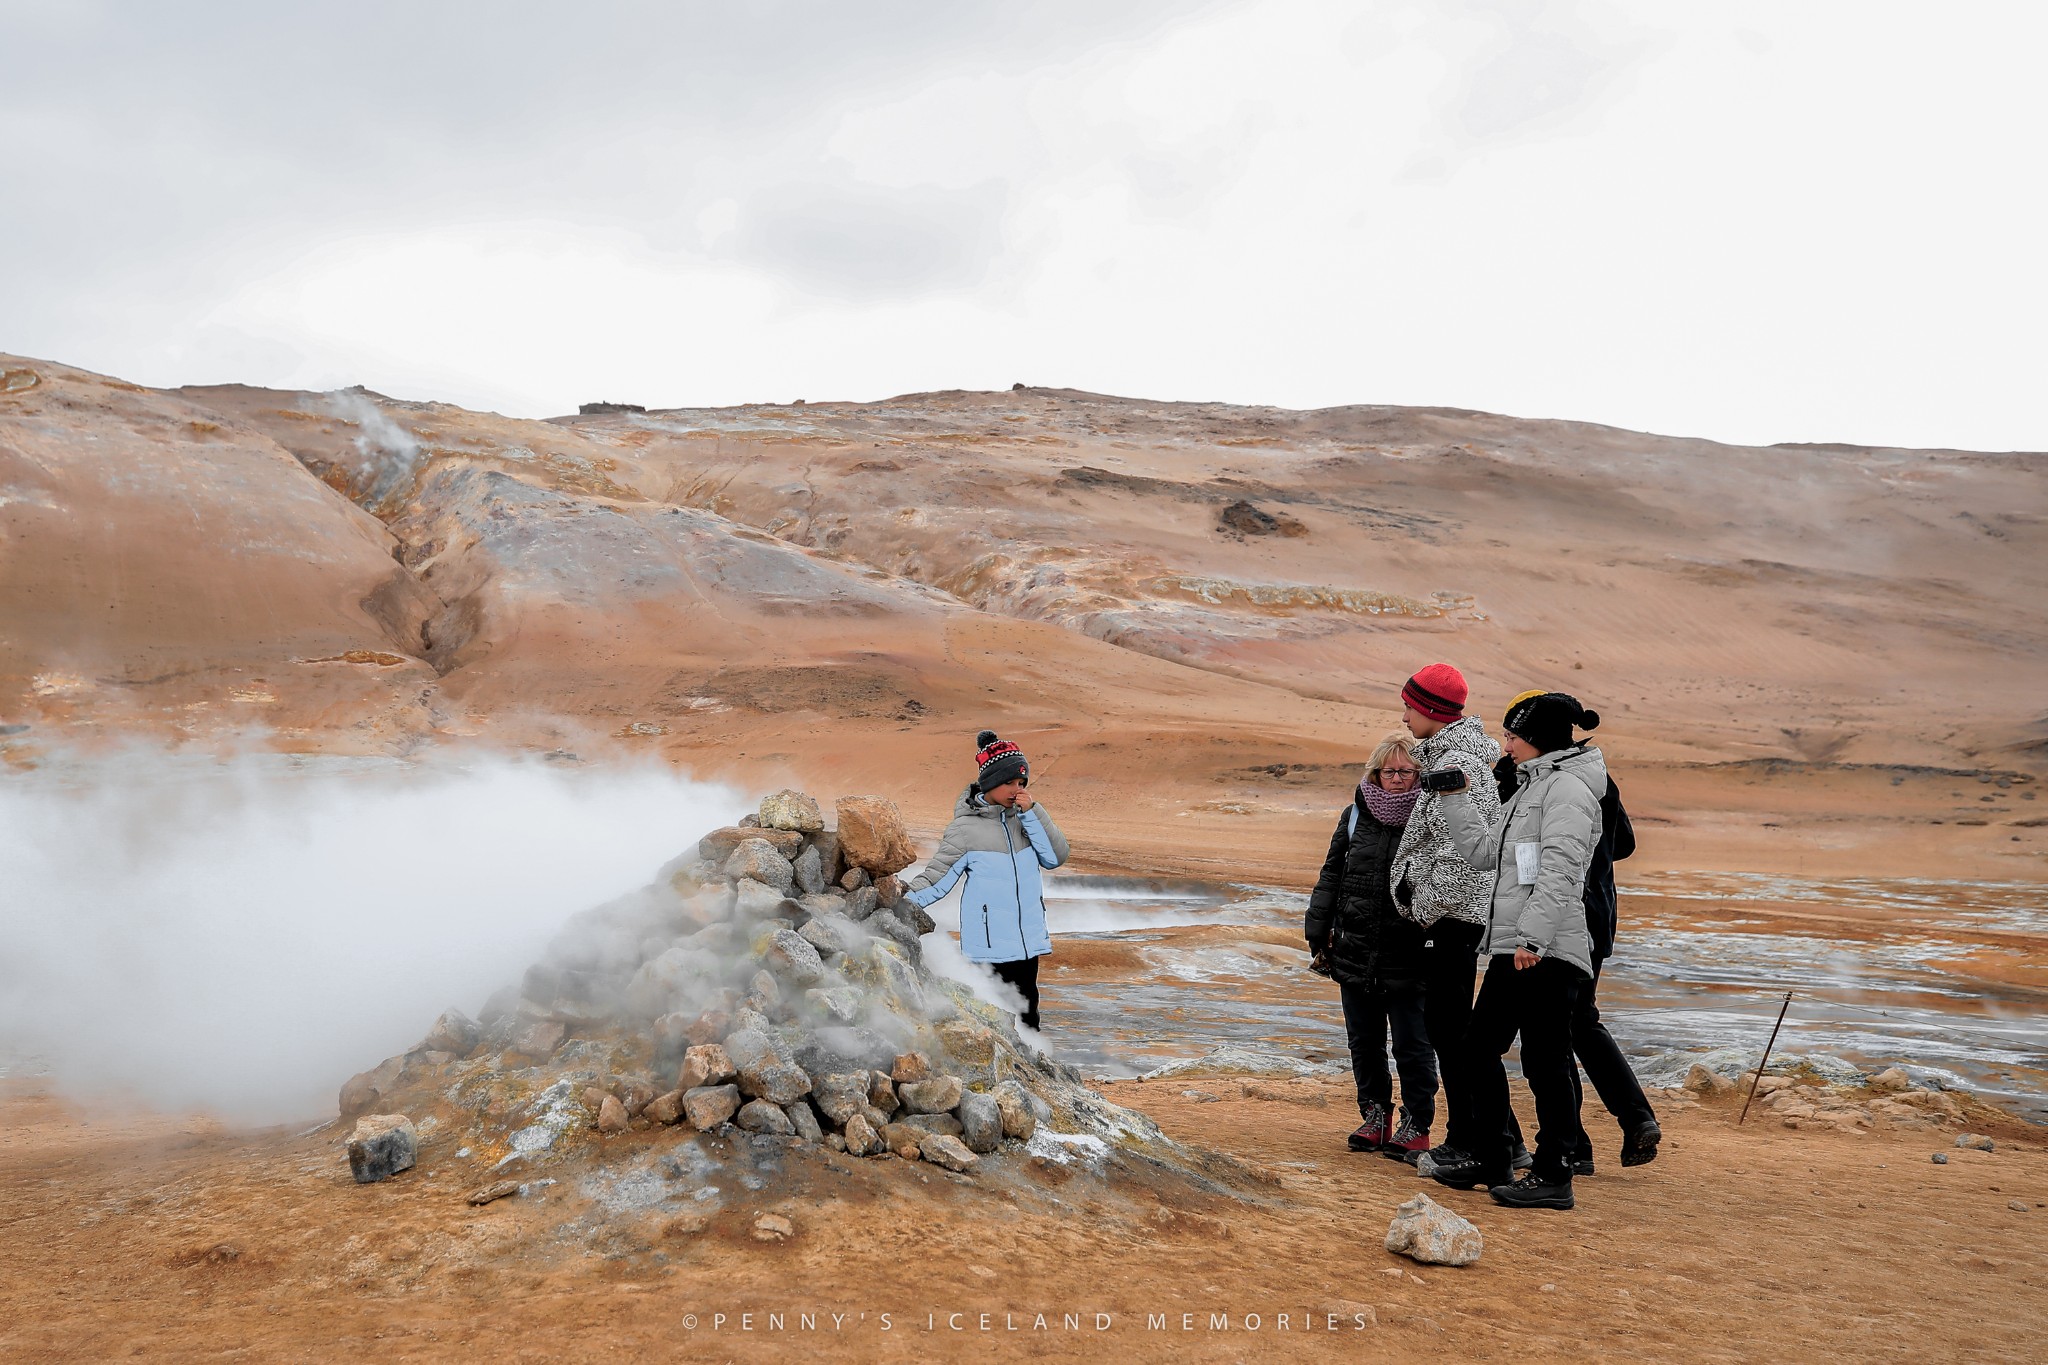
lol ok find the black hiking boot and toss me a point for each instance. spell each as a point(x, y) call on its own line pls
point(1534, 1192)
point(1639, 1148)
point(1469, 1173)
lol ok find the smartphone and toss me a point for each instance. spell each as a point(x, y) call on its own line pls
point(1444, 780)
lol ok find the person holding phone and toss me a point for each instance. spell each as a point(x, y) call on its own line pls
point(998, 844)
point(1438, 890)
point(1538, 949)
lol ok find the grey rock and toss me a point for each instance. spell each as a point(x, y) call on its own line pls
point(862, 902)
point(830, 859)
point(824, 903)
point(875, 1116)
point(1974, 1141)
point(809, 870)
point(863, 1138)
point(1424, 1230)
point(942, 1149)
point(856, 879)
point(765, 1069)
point(981, 1123)
point(892, 926)
point(939, 1095)
point(803, 1121)
point(540, 1038)
point(453, 1032)
point(793, 810)
point(882, 1092)
point(758, 860)
point(917, 918)
point(1940, 1158)
point(762, 1116)
point(710, 1105)
point(365, 1089)
point(841, 1004)
point(756, 900)
point(840, 1094)
point(831, 934)
point(2016, 1205)
point(934, 1123)
point(1013, 1104)
point(381, 1146)
point(791, 957)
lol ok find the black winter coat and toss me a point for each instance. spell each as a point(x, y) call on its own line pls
point(1617, 841)
point(1351, 913)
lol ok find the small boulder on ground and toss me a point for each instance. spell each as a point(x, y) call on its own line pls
point(981, 1123)
point(762, 1116)
point(664, 1108)
point(1974, 1141)
point(1426, 1231)
point(1013, 1103)
point(453, 1032)
point(943, 1150)
point(710, 1105)
point(612, 1116)
point(381, 1146)
point(803, 1120)
point(861, 1137)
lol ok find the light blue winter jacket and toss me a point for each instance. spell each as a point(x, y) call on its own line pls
point(997, 856)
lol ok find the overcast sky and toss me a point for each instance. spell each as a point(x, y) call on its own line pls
point(1754, 221)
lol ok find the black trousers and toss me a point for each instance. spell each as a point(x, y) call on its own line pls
point(1450, 957)
point(1614, 1081)
point(1368, 1016)
point(1537, 1004)
point(1024, 976)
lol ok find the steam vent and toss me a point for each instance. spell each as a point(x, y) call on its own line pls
point(745, 1035)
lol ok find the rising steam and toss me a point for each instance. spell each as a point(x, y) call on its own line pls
point(243, 935)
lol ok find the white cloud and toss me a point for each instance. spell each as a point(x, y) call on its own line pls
point(1756, 221)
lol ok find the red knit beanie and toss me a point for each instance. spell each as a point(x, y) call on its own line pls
point(1437, 692)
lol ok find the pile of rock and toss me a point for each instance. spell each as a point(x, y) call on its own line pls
point(770, 982)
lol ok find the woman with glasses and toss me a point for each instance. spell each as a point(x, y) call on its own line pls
point(1360, 940)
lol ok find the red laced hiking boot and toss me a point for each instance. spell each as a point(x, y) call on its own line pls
point(1373, 1133)
point(1406, 1141)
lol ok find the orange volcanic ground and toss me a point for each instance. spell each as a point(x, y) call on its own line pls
point(1820, 662)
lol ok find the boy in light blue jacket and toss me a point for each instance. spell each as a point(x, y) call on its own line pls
point(996, 848)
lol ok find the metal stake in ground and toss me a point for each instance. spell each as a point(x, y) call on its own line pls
point(1757, 1079)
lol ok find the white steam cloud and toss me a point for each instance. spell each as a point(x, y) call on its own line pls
point(243, 935)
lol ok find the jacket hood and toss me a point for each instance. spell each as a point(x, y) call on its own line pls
point(1467, 736)
point(970, 803)
point(1582, 761)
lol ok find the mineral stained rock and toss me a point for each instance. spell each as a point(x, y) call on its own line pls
point(612, 1116)
point(705, 1064)
point(872, 836)
point(758, 860)
point(381, 1146)
point(840, 1095)
point(719, 844)
point(943, 1150)
point(1013, 1103)
point(862, 1139)
point(710, 1105)
point(792, 810)
point(936, 1096)
point(1426, 1231)
point(665, 1108)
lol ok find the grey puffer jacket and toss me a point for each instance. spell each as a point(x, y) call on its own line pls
point(1538, 850)
point(1442, 883)
point(996, 855)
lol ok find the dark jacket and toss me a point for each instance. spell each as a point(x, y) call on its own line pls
point(1351, 913)
point(1617, 841)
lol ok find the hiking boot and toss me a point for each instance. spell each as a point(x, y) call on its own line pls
point(1406, 1142)
point(1371, 1135)
point(1582, 1166)
point(1426, 1162)
point(1469, 1173)
point(1639, 1148)
point(1522, 1160)
point(1534, 1192)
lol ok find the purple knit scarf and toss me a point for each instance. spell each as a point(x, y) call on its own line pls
point(1389, 808)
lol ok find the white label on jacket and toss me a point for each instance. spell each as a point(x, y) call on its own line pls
point(1528, 858)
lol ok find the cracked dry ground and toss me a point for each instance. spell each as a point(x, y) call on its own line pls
point(130, 1235)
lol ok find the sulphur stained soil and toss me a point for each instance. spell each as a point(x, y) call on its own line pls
point(130, 1234)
